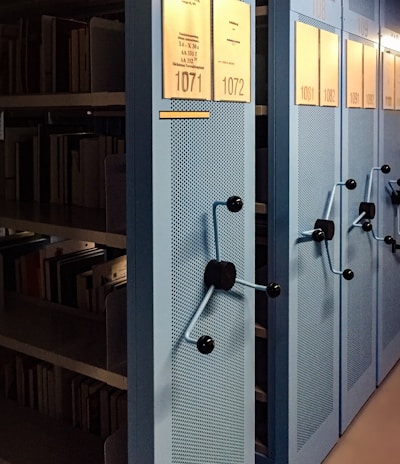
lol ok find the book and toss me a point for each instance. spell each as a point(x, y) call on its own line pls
point(10, 380)
point(84, 398)
point(12, 135)
point(76, 400)
point(90, 171)
point(24, 170)
point(84, 288)
point(110, 271)
point(116, 334)
point(67, 270)
point(59, 248)
point(14, 250)
point(46, 54)
point(105, 425)
point(93, 407)
point(51, 266)
point(107, 55)
point(115, 189)
point(61, 30)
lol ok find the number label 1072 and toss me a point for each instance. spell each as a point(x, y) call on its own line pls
point(233, 86)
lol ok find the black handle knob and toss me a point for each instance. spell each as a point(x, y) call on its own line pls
point(273, 290)
point(318, 235)
point(385, 169)
point(389, 240)
point(234, 204)
point(205, 344)
point(351, 184)
point(348, 274)
point(367, 226)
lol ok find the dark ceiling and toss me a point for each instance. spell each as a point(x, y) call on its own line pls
point(12, 9)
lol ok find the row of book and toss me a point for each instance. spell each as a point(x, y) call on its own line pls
point(49, 54)
point(67, 166)
point(86, 403)
point(69, 272)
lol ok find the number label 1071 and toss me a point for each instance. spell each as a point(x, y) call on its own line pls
point(188, 82)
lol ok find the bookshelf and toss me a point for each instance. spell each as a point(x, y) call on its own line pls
point(70, 344)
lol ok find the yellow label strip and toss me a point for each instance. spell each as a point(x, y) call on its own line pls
point(184, 114)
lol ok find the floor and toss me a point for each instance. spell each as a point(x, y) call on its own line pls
point(374, 435)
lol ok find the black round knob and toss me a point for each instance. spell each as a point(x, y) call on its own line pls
point(221, 274)
point(389, 240)
point(385, 169)
point(234, 204)
point(351, 184)
point(205, 344)
point(367, 226)
point(348, 274)
point(318, 235)
point(273, 290)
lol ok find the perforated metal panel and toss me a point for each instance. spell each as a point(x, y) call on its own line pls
point(358, 297)
point(207, 391)
point(316, 302)
point(361, 251)
point(389, 263)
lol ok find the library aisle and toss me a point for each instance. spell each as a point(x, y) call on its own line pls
point(374, 435)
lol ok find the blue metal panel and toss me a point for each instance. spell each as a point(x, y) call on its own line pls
point(358, 313)
point(361, 17)
point(390, 24)
point(389, 263)
point(314, 289)
point(308, 327)
point(185, 407)
point(326, 11)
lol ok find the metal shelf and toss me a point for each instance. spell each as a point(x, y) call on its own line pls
point(261, 110)
point(261, 395)
point(261, 332)
point(59, 337)
point(262, 10)
point(63, 221)
point(64, 100)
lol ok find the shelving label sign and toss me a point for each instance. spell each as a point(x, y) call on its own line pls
point(397, 83)
point(232, 57)
point(370, 71)
point(388, 81)
point(354, 75)
point(329, 69)
point(187, 49)
point(307, 65)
